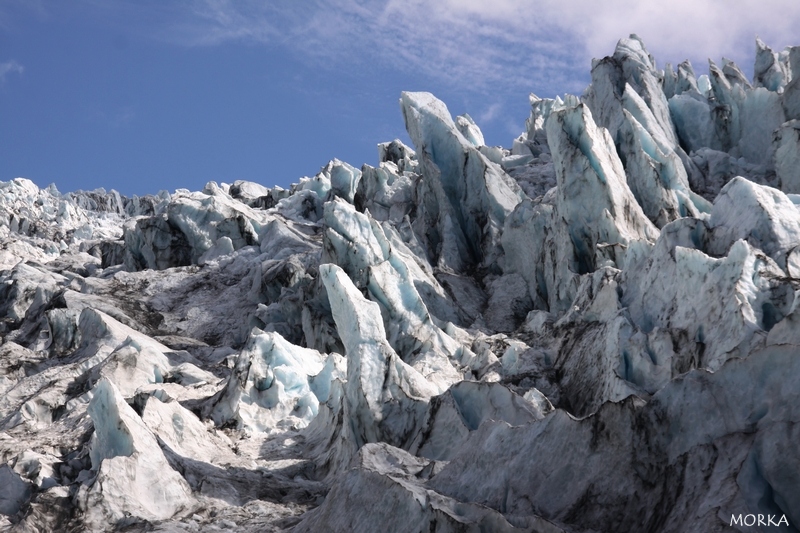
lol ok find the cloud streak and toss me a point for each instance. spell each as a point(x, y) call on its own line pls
point(9, 67)
point(490, 113)
point(516, 43)
point(465, 48)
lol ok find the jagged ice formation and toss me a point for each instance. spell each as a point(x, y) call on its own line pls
point(594, 330)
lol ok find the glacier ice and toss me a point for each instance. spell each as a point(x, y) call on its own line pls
point(133, 477)
point(472, 195)
point(383, 394)
point(686, 458)
point(594, 328)
point(274, 384)
point(394, 479)
point(786, 164)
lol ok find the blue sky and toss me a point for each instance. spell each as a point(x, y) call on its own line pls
point(142, 95)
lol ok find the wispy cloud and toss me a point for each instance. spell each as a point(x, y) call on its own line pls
point(677, 30)
point(9, 67)
point(490, 113)
point(473, 43)
point(470, 48)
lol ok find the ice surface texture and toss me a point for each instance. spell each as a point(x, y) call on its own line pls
point(595, 329)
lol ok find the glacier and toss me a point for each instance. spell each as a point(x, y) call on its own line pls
point(594, 329)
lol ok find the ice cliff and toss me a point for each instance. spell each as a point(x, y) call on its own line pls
point(595, 329)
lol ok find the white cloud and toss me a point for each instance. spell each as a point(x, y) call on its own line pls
point(490, 113)
point(694, 29)
point(9, 67)
point(479, 45)
point(467, 48)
